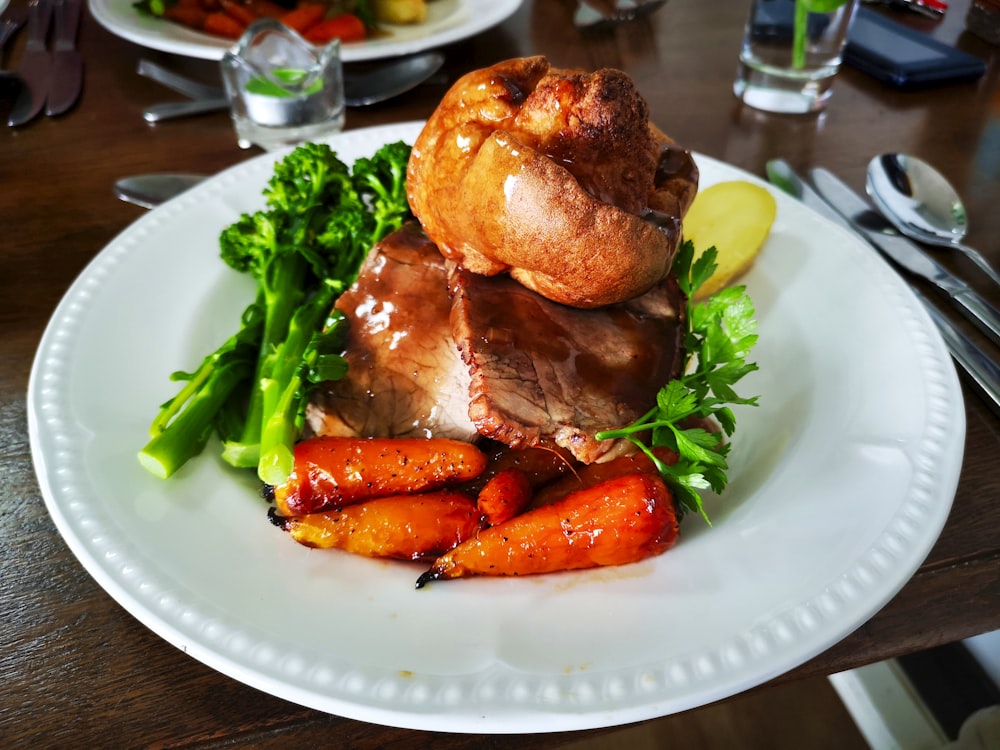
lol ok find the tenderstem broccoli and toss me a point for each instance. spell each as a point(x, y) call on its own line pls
point(302, 250)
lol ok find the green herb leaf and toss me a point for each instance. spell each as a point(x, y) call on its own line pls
point(721, 332)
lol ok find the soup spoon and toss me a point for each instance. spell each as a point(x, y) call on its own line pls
point(922, 204)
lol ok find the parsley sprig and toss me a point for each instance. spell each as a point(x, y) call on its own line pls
point(721, 331)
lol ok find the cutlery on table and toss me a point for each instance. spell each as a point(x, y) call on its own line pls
point(67, 64)
point(601, 14)
point(922, 204)
point(361, 89)
point(11, 20)
point(35, 68)
point(150, 190)
point(984, 373)
point(867, 221)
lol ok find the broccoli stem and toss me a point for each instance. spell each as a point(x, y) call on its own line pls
point(285, 279)
point(285, 392)
point(302, 250)
point(185, 423)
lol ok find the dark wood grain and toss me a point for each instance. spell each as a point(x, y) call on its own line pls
point(79, 671)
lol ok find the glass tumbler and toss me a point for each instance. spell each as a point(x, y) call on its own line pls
point(791, 53)
point(282, 90)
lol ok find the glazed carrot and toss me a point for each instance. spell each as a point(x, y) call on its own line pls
point(591, 474)
point(504, 496)
point(186, 15)
point(331, 472)
point(222, 24)
point(304, 16)
point(345, 27)
point(622, 520)
point(238, 11)
point(540, 465)
point(402, 527)
point(266, 8)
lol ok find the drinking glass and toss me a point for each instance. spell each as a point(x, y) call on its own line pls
point(282, 90)
point(791, 53)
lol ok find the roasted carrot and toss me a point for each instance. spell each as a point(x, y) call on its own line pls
point(345, 27)
point(222, 24)
point(266, 8)
point(238, 11)
point(402, 527)
point(540, 465)
point(621, 520)
point(189, 16)
point(304, 16)
point(504, 496)
point(331, 472)
point(591, 474)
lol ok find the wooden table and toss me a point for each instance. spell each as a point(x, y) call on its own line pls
point(79, 671)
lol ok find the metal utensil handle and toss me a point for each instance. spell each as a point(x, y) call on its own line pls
point(980, 312)
point(67, 23)
point(977, 257)
point(984, 373)
point(7, 29)
point(172, 110)
point(39, 18)
point(180, 84)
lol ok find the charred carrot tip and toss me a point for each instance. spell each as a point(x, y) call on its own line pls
point(426, 577)
point(278, 520)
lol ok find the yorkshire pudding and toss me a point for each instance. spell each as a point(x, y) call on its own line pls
point(554, 176)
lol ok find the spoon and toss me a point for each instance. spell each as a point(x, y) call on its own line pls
point(922, 204)
point(361, 89)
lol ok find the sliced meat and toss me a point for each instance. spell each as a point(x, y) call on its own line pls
point(405, 377)
point(545, 374)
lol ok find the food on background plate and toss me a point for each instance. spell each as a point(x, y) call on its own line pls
point(400, 11)
point(579, 431)
point(735, 218)
point(318, 21)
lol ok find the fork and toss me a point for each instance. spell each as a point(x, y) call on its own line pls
point(12, 19)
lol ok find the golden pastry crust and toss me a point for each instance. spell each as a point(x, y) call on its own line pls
point(556, 177)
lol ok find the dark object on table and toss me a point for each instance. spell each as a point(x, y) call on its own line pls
point(983, 20)
point(904, 58)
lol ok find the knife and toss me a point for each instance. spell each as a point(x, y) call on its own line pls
point(869, 223)
point(150, 190)
point(983, 372)
point(35, 67)
point(67, 64)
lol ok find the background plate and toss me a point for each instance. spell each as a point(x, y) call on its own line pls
point(447, 21)
point(841, 481)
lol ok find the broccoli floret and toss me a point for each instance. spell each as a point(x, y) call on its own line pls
point(302, 250)
point(381, 182)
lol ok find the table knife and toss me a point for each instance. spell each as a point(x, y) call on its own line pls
point(983, 372)
point(150, 190)
point(35, 68)
point(866, 221)
point(67, 63)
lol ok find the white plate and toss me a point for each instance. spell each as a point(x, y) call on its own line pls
point(841, 481)
point(447, 21)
